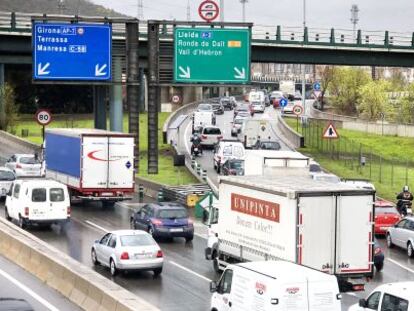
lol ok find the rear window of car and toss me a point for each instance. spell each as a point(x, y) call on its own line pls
point(56, 195)
point(39, 195)
point(270, 145)
point(385, 210)
point(6, 175)
point(212, 131)
point(172, 213)
point(28, 160)
point(238, 121)
point(206, 107)
point(137, 240)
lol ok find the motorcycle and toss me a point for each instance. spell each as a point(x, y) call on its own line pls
point(404, 207)
point(196, 150)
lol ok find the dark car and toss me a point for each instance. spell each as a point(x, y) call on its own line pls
point(233, 167)
point(267, 145)
point(226, 103)
point(378, 257)
point(14, 304)
point(164, 220)
point(217, 108)
point(242, 107)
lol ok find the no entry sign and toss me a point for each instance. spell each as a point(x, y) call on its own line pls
point(208, 10)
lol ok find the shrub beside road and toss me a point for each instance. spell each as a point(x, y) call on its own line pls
point(168, 174)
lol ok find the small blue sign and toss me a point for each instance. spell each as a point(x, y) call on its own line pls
point(283, 102)
point(128, 165)
point(316, 86)
point(71, 51)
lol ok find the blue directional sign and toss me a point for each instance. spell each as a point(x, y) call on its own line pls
point(283, 102)
point(71, 51)
point(316, 86)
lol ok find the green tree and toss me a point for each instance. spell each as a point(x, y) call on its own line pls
point(373, 101)
point(8, 106)
point(327, 75)
point(406, 106)
point(343, 89)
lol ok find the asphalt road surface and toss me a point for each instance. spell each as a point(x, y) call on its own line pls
point(18, 284)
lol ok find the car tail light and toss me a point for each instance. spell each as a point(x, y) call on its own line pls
point(203, 137)
point(377, 250)
point(219, 137)
point(26, 211)
point(68, 211)
point(358, 287)
point(160, 254)
point(18, 166)
point(124, 256)
point(156, 222)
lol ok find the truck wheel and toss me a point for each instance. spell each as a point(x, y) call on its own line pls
point(189, 238)
point(410, 250)
point(216, 265)
point(389, 241)
point(379, 266)
point(6, 214)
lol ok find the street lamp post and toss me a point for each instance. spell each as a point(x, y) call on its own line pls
point(243, 2)
point(303, 65)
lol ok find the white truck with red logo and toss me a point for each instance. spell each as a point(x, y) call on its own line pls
point(321, 225)
point(95, 164)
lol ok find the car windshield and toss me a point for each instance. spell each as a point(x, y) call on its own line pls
point(29, 160)
point(224, 101)
point(236, 165)
point(272, 145)
point(204, 107)
point(137, 240)
point(172, 213)
point(212, 131)
point(6, 175)
point(385, 210)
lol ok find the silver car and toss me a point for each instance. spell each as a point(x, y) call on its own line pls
point(128, 250)
point(24, 165)
point(6, 179)
point(402, 235)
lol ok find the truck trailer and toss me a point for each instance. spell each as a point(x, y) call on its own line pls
point(324, 226)
point(95, 164)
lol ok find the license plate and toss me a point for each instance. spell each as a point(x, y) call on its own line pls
point(107, 194)
point(142, 256)
point(384, 228)
point(176, 230)
point(195, 149)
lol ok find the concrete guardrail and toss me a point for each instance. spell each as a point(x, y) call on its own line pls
point(293, 138)
point(80, 284)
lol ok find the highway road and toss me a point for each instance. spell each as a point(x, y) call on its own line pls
point(16, 283)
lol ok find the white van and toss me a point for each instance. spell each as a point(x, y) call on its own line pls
point(37, 201)
point(273, 286)
point(391, 296)
point(227, 149)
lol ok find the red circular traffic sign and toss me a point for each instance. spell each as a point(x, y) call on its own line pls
point(43, 116)
point(208, 10)
point(297, 110)
point(176, 99)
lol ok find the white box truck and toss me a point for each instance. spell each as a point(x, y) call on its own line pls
point(254, 129)
point(273, 286)
point(321, 225)
point(202, 118)
point(287, 87)
point(274, 162)
point(95, 164)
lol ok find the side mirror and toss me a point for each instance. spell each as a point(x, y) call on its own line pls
point(213, 287)
point(97, 241)
point(362, 303)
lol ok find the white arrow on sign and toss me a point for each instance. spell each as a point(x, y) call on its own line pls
point(41, 71)
point(99, 71)
point(240, 74)
point(186, 74)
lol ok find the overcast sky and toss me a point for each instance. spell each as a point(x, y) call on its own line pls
point(394, 15)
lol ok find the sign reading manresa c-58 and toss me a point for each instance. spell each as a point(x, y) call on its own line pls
point(205, 55)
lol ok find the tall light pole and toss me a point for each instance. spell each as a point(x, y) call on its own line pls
point(243, 2)
point(222, 11)
point(303, 66)
point(140, 13)
point(354, 18)
point(188, 11)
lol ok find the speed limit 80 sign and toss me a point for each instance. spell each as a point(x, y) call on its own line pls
point(43, 116)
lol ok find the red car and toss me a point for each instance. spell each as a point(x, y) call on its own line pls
point(386, 215)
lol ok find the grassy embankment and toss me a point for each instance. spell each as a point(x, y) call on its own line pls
point(168, 174)
point(389, 159)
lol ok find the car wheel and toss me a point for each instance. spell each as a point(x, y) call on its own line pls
point(157, 272)
point(379, 266)
point(94, 258)
point(410, 250)
point(189, 238)
point(6, 214)
point(216, 265)
point(389, 241)
point(151, 230)
point(112, 267)
point(132, 224)
point(22, 223)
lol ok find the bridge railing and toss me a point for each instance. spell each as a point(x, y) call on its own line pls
point(21, 22)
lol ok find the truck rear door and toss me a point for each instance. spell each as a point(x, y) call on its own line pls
point(316, 233)
point(354, 234)
point(121, 162)
point(94, 162)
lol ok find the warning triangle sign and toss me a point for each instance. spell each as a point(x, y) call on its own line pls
point(330, 132)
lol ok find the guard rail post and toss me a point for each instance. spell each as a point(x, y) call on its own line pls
point(204, 175)
point(141, 193)
point(160, 196)
point(193, 162)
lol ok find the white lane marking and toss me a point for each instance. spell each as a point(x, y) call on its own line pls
point(188, 270)
point(400, 265)
point(29, 291)
point(90, 223)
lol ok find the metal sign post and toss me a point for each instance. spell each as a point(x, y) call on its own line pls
point(43, 117)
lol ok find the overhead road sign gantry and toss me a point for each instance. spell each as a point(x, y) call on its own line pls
point(209, 55)
point(63, 51)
